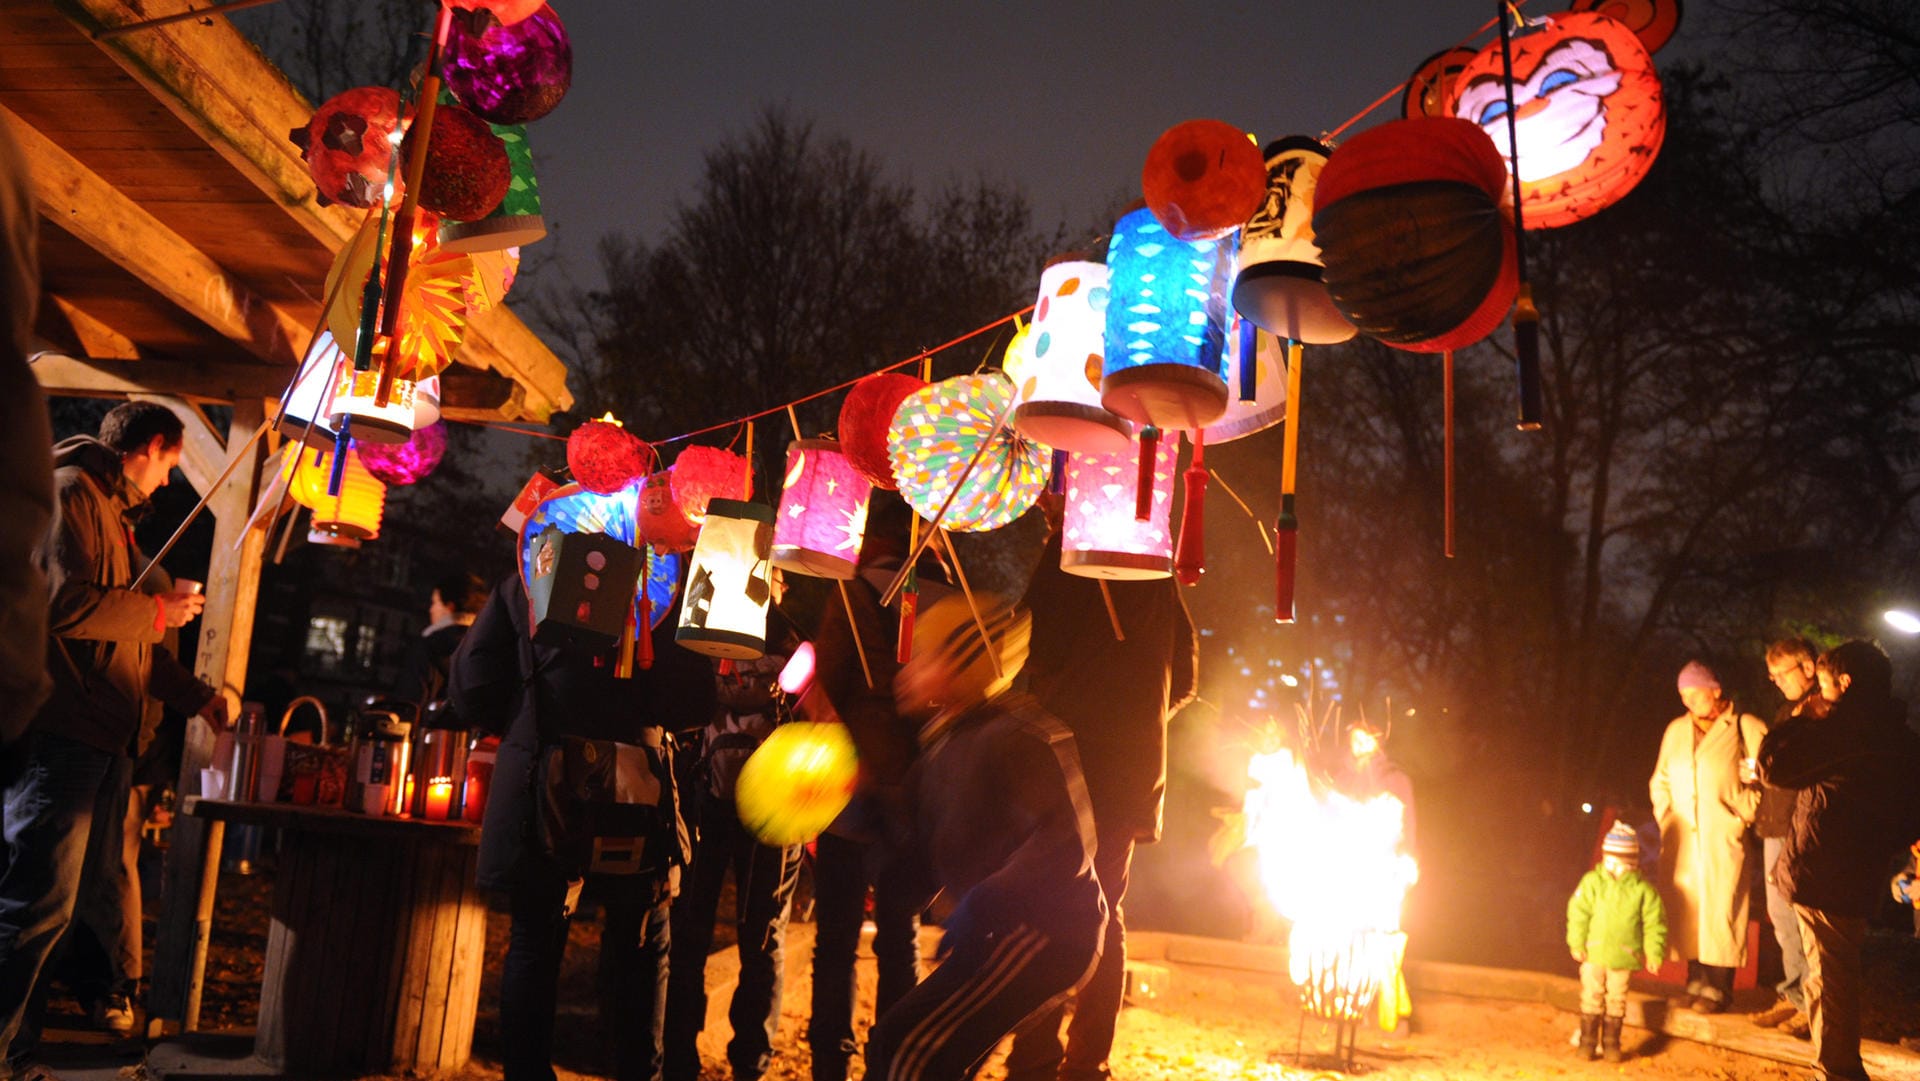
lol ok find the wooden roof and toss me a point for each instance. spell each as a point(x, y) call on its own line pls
point(184, 233)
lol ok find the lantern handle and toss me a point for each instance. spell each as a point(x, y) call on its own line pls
point(853, 628)
point(973, 607)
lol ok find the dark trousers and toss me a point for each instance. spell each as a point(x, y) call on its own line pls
point(1037, 1053)
point(991, 982)
point(840, 880)
point(1833, 986)
point(52, 790)
point(634, 943)
point(763, 881)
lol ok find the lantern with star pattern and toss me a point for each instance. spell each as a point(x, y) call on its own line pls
point(823, 511)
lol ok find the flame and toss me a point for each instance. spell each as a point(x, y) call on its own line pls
point(609, 418)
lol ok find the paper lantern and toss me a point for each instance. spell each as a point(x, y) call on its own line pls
point(348, 145)
point(409, 462)
point(1419, 253)
point(356, 397)
point(581, 589)
point(662, 524)
point(1279, 281)
point(865, 419)
point(1166, 325)
point(437, 300)
point(509, 74)
point(941, 430)
point(823, 511)
point(1202, 179)
point(729, 586)
point(1588, 114)
point(1430, 90)
point(517, 221)
point(308, 412)
point(572, 509)
point(1056, 370)
point(1256, 366)
point(467, 170)
point(796, 782)
point(508, 12)
point(703, 474)
point(604, 457)
point(1652, 21)
point(351, 516)
point(1100, 534)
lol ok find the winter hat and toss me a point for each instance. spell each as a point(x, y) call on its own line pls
point(947, 631)
point(1621, 843)
point(1698, 675)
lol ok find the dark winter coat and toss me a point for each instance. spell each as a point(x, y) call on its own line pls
point(1775, 816)
point(423, 675)
point(1854, 771)
point(1115, 696)
point(102, 635)
point(532, 696)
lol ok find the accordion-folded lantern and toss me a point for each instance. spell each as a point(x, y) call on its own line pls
point(1061, 359)
point(724, 610)
point(1166, 325)
point(948, 454)
point(346, 518)
point(823, 512)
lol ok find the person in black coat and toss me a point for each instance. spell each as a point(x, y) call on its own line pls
point(451, 608)
point(539, 700)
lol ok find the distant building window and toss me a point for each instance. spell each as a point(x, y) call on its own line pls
point(327, 641)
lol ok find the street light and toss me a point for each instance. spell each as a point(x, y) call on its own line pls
point(1902, 620)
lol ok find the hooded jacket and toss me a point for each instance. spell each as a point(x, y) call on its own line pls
point(102, 636)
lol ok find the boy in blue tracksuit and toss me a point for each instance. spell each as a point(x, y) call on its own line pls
point(1615, 924)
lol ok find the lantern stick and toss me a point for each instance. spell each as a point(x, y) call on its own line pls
point(1286, 531)
point(1190, 560)
point(400, 254)
point(853, 628)
point(1526, 318)
point(623, 664)
point(748, 494)
point(973, 606)
point(1113, 614)
point(643, 617)
point(1143, 474)
point(999, 425)
point(1244, 508)
point(1290, 447)
point(1249, 368)
point(1446, 368)
point(909, 597)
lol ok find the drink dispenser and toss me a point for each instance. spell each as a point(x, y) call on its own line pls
point(380, 756)
point(438, 764)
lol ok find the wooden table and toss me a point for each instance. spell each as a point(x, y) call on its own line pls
point(377, 942)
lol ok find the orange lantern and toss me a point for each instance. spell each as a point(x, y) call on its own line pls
point(1203, 179)
point(1588, 115)
point(1653, 20)
point(1430, 91)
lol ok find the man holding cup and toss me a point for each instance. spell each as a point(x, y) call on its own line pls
point(65, 780)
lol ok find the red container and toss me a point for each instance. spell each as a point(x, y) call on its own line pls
point(473, 798)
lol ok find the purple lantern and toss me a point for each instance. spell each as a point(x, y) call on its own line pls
point(409, 462)
point(823, 511)
point(509, 74)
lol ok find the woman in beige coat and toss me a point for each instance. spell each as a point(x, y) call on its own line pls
point(1705, 795)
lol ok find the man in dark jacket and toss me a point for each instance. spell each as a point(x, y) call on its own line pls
point(1790, 667)
point(1854, 813)
point(1114, 688)
point(543, 700)
point(1002, 826)
point(73, 766)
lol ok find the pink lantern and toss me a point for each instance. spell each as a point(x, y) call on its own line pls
point(409, 462)
point(823, 511)
point(1101, 536)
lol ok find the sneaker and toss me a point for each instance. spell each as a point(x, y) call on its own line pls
point(114, 1014)
point(1797, 1027)
point(1773, 1016)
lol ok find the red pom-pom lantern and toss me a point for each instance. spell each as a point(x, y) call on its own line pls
point(1587, 114)
point(467, 168)
point(703, 474)
point(1419, 254)
point(508, 12)
point(865, 418)
point(661, 524)
point(1203, 178)
point(509, 74)
point(348, 145)
point(410, 462)
point(605, 457)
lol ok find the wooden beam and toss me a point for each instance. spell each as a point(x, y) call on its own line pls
point(467, 394)
point(91, 377)
point(95, 338)
point(499, 341)
point(80, 202)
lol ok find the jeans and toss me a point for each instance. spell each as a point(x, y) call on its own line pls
point(1037, 1053)
point(1833, 987)
point(52, 789)
point(1786, 929)
point(840, 880)
point(763, 880)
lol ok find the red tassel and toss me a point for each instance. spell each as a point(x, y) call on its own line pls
point(909, 605)
point(1190, 559)
point(1286, 550)
point(1143, 488)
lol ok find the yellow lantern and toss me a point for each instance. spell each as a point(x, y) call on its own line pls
point(345, 519)
point(796, 782)
point(724, 612)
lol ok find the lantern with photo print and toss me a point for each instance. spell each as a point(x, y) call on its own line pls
point(348, 146)
point(729, 585)
point(1279, 281)
point(1166, 325)
point(1101, 535)
point(957, 459)
point(1588, 115)
point(866, 416)
point(604, 457)
point(1061, 357)
point(1202, 179)
point(1257, 379)
point(823, 511)
point(1419, 253)
point(346, 518)
point(509, 74)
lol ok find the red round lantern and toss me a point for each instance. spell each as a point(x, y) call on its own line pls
point(605, 457)
point(1203, 179)
point(703, 474)
point(865, 418)
point(348, 145)
point(1418, 252)
point(467, 168)
point(1588, 114)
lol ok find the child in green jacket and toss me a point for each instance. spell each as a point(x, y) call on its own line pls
point(1615, 924)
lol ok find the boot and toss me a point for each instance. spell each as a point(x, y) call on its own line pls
point(1610, 1038)
point(1589, 1036)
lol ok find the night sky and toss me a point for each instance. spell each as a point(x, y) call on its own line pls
point(1060, 98)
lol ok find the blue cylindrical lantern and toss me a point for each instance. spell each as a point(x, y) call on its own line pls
point(1166, 325)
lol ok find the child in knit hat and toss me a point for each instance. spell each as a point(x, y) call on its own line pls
point(1615, 924)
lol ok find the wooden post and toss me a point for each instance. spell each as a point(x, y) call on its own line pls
point(226, 631)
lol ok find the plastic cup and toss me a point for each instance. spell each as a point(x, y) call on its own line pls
point(188, 585)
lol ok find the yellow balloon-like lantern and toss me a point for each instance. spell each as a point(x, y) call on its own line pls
point(796, 782)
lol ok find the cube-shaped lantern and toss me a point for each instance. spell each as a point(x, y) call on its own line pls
point(1100, 536)
point(581, 586)
point(724, 611)
point(823, 511)
point(1057, 377)
point(1166, 325)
